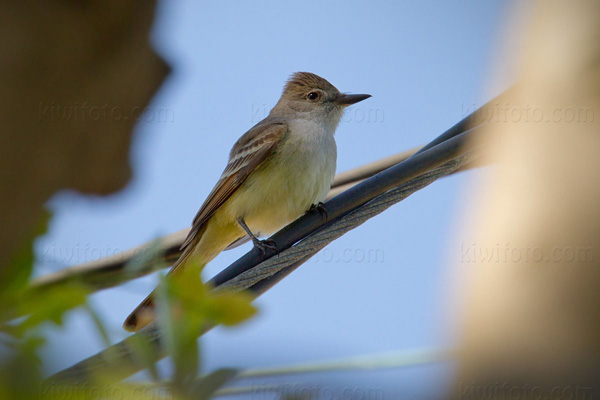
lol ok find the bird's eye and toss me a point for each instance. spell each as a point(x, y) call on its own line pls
point(312, 96)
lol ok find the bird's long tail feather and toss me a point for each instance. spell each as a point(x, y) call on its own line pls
point(211, 239)
point(145, 312)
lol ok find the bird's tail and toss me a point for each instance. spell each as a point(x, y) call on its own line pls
point(145, 312)
point(208, 242)
point(142, 315)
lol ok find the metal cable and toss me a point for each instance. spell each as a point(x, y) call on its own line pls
point(321, 238)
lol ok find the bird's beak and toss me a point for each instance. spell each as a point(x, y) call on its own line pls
point(347, 99)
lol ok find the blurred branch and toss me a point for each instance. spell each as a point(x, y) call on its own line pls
point(119, 268)
point(387, 360)
point(395, 359)
point(296, 243)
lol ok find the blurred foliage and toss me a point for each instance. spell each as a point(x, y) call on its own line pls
point(185, 308)
point(185, 305)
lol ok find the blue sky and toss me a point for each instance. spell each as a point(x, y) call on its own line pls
point(379, 288)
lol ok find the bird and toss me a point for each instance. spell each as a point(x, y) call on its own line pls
point(277, 171)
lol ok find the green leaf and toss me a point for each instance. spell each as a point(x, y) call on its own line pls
point(201, 306)
point(20, 370)
point(15, 275)
point(97, 321)
point(180, 334)
point(144, 353)
point(50, 305)
point(204, 388)
point(16, 299)
point(185, 305)
point(229, 309)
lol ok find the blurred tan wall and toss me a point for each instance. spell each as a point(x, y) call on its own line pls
point(74, 77)
point(531, 269)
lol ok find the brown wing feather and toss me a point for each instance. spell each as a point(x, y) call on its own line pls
point(247, 154)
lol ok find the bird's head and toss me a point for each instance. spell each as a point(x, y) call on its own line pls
point(309, 96)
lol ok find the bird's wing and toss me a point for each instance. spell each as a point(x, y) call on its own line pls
point(246, 155)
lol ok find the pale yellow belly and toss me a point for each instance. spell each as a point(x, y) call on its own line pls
point(280, 192)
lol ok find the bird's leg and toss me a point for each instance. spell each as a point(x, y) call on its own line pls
point(320, 208)
point(261, 245)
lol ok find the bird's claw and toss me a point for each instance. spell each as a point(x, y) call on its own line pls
point(264, 245)
point(320, 208)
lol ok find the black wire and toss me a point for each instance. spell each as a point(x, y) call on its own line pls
point(475, 119)
point(353, 197)
point(349, 200)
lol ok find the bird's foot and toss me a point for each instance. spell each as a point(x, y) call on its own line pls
point(320, 208)
point(264, 245)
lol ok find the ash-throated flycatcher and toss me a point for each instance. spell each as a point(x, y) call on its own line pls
point(277, 171)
